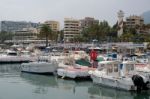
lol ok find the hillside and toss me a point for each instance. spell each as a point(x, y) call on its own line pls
point(146, 16)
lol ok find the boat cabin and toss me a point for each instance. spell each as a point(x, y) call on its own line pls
point(11, 53)
point(111, 68)
point(127, 68)
point(117, 68)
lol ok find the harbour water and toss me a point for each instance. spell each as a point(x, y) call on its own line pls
point(17, 85)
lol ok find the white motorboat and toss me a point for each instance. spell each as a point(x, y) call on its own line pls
point(78, 69)
point(119, 75)
point(74, 65)
point(59, 57)
point(73, 73)
point(12, 57)
point(142, 65)
point(66, 59)
point(40, 67)
point(72, 54)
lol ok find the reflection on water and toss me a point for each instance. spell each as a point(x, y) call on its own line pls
point(109, 93)
point(41, 82)
point(9, 69)
point(31, 86)
point(53, 82)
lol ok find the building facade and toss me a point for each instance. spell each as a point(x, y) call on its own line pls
point(12, 26)
point(133, 21)
point(25, 34)
point(71, 28)
point(88, 22)
point(54, 25)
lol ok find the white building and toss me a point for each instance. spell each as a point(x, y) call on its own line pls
point(54, 25)
point(25, 34)
point(71, 28)
point(120, 22)
point(133, 21)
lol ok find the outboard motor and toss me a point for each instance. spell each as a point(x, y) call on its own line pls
point(139, 83)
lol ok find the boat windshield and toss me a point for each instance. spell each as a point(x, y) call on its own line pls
point(110, 68)
point(142, 57)
point(12, 54)
point(101, 66)
point(115, 67)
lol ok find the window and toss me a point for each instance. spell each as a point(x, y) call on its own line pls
point(101, 67)
point(110, 69)
point(130, 67)
point(115, 67)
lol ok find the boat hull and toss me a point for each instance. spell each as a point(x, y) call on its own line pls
point(39, 67)
point(123, 84)
point(14, 59)
point(73, 73)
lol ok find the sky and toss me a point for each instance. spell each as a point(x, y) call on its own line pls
point(42, 10)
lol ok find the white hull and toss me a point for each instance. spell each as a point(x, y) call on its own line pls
point(120, 83)
point(11, 59)
point(73, 73)
point(7, 59)
point(119, 75)
point(62, 65)
point(39, 67)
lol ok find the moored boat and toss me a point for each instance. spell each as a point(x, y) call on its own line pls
point(119, 75)
point(77, 70)
point(12, 57)
point(40, 67)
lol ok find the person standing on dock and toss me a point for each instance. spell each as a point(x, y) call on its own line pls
point(93, 58)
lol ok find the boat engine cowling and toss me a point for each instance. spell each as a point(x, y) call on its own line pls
point(140, 82)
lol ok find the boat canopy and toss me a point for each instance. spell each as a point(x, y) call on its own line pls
point(83, 62)
point(100, 59)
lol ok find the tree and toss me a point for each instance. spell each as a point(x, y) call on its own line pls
point(45, 32)
point(78, 38)
point(126, 37)
point(86, 34)
point(97, 31)
point(148, 46)
point(104, 30)
point(113, 34)
point(61, 35)
point(54, 36)
point(5, 36)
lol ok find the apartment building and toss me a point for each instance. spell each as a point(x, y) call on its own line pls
point(26, 34)
point(71, 28)
point(87, 22)
point(54, 25)
point(133, 21)
point(12, 26)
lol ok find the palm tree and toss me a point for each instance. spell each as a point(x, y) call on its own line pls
point(5, 36)
point(45, 32)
